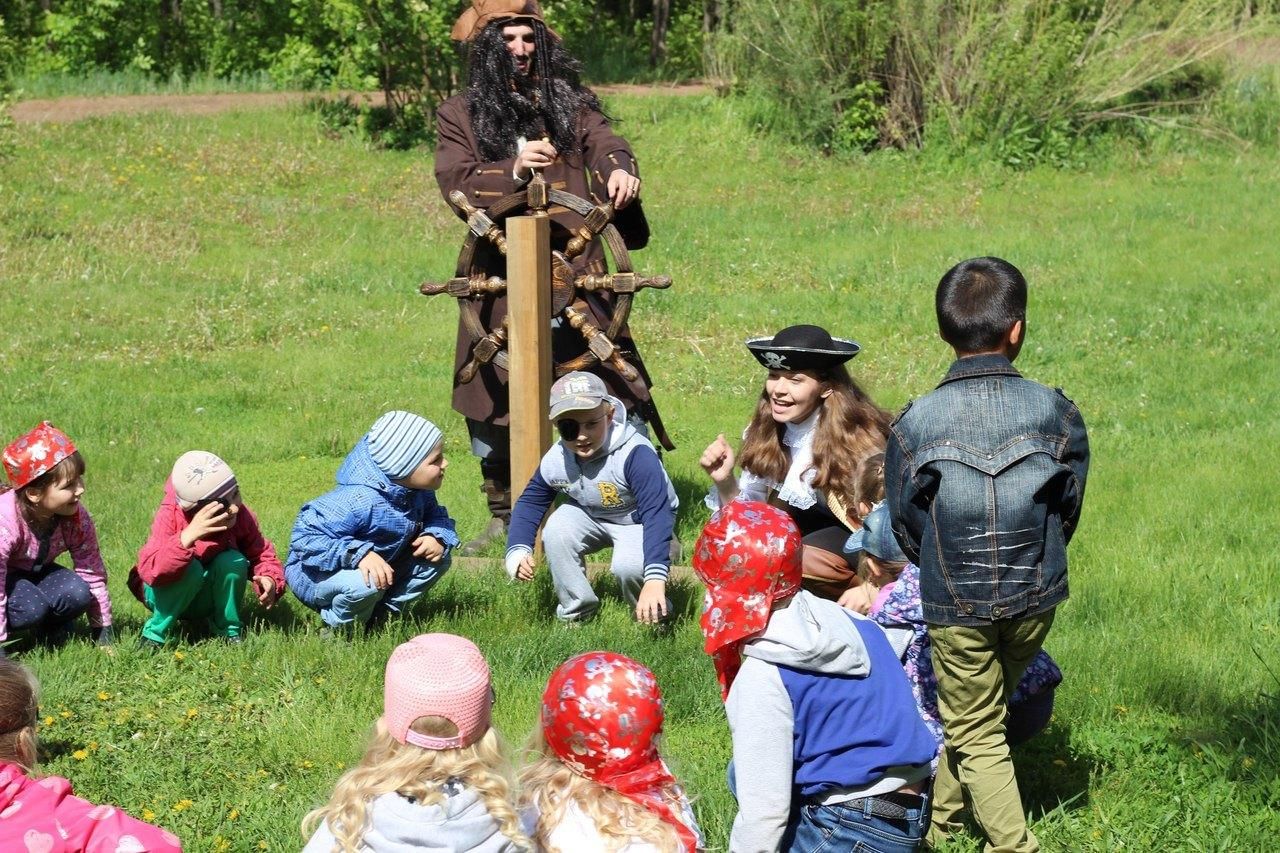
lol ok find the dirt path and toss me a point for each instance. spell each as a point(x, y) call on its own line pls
point(58, 110)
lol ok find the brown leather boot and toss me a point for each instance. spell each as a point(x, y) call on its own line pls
point(498, 496)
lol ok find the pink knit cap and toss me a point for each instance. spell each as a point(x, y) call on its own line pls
point(437, 675)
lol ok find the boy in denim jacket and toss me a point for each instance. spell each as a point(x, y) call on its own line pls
point(985, 480)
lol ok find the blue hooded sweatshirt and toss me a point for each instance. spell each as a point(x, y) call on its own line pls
point(366, 512)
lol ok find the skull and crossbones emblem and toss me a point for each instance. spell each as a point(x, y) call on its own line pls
point(775, 361)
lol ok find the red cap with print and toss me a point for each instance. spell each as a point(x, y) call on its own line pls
point(749, 557)
point(602, 715)
point(34, 454)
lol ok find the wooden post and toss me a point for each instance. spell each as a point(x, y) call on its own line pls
point(529, 351)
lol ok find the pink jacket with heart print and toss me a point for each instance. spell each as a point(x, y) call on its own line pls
point(42, 816)
point(20, 547)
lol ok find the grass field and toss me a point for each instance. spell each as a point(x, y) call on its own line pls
point(244, 284)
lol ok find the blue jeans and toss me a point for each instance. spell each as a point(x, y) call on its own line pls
point(343, 598)
point(840, 828)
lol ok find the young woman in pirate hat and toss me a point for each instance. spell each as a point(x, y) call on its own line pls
point(812, 426)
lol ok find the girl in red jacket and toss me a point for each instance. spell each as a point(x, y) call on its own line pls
point(205, 547)
point(42, 814)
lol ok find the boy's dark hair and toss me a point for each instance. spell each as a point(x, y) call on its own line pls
point(977, 301)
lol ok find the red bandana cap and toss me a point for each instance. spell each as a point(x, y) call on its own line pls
point(35, 454)
point(749, 558)
point(601, 716)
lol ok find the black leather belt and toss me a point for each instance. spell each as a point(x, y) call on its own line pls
point(891, 806)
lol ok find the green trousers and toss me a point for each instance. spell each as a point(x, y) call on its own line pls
point(978, 669)
point(203, 592)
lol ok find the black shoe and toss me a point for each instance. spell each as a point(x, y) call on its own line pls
point(235, 640)
point(147, 644)
point(52, 638)
point(495, 532)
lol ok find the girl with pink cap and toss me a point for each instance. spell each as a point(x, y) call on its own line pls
point(41, 517)
point(599, 783)
point(435, 774)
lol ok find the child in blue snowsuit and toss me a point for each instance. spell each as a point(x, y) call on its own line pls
point(365, 550)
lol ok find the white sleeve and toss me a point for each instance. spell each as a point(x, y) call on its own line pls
point(761, 720)
point(322, 841)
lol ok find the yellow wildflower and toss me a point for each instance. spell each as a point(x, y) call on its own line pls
point(103, 695)
point(80, 755)
point(178, 655)
point(262, 845)
point(1247, 762)
point(182, 805)
point(148, 815)
point(191, 712)
point(64, 714)
point(48, 721)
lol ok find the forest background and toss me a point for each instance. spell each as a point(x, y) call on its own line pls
point(246, 282)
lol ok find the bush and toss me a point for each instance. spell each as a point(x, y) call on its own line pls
point(1026, 80)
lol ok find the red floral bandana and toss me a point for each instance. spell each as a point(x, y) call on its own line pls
point(35, 453)
point(602, 715)
point(749, 557)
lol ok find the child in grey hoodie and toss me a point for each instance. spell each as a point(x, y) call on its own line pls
point(618, 496)
point(828, 749)
point(435, 775)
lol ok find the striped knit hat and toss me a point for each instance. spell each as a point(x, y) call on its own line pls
point(399, 441)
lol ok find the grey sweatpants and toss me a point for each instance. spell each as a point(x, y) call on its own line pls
point(570, 535)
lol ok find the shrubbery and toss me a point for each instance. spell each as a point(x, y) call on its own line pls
point(1028, 81)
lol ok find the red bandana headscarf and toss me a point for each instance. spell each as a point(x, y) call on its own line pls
point(601, 715)
point(35, 454)
point(749, 557)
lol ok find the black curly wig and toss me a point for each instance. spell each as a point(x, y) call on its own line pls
point(505, 104)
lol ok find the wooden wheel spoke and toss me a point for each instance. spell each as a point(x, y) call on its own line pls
point(479, 222)
point(598, 343)
point(484, 352)
point(464, 287)
point(620, 282)
point(593, 223)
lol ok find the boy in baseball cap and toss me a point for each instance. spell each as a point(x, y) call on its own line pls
point(617, 496)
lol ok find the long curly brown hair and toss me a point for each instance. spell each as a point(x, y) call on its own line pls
point(850, 428)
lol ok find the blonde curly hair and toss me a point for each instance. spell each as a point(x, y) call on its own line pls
point(411, 771)
point(550, 786)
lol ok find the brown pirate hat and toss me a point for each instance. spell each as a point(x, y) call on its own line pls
point(482, 13)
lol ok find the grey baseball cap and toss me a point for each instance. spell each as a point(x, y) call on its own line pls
point(577, 392)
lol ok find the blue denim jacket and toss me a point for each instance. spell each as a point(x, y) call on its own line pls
point(985, 481)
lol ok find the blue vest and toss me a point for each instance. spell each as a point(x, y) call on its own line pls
point(850, 730)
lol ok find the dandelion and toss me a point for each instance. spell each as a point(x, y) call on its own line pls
point(221, 843)
point(64, 714)
point(93, 746)
point(80, 755)
point(1121, 710)
point(1247, 762)
point(233, 814)
point(182, 805)
point(262, 845)
point(148, 815)
point(178, 655)
point(319, 679)
point(307, 764)
point(103, 695)
point(48, 721)
point(191, 713)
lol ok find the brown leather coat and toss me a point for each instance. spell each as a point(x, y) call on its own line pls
point(458, 167)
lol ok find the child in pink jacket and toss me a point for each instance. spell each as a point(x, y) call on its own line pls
point(41, 518)
point(205, 548)
point(41, 815)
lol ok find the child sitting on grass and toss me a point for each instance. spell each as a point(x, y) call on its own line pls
point(618, 495)
point(898, 605)
point(41, 517)
point(829, 751)
point(205, 548)
point(597, 781)
point(42, 814)
point(435, 774)
point(367, 549)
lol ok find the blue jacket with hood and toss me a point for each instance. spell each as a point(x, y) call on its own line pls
point(366, 512)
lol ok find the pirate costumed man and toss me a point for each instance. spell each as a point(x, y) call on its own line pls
point(525, 109)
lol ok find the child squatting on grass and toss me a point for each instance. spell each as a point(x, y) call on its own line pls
point(367, 549)
point(618, 495)
point(205, 547)
point(829, 751)
point(597, 781)
point(985, 481)
point(812, 426)
point(41, 517)
point(435, 775)
point(42, 814)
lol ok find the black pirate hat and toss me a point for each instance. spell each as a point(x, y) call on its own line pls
point(802, 348)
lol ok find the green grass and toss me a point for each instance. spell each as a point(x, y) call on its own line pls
point(246, 285)
point(134, 82)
